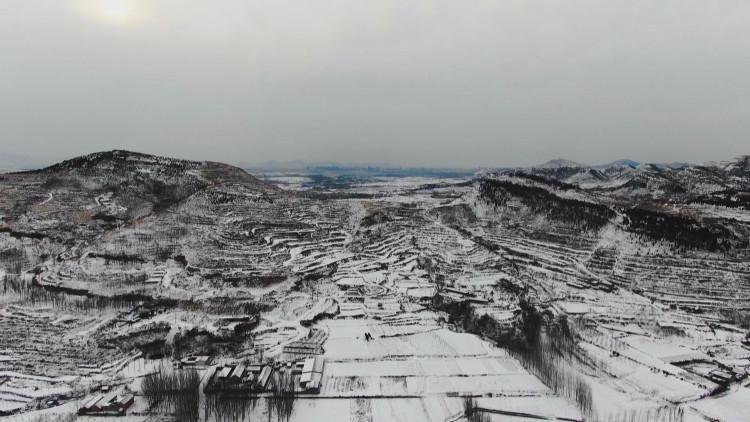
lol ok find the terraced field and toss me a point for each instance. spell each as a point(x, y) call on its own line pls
point(537, 297)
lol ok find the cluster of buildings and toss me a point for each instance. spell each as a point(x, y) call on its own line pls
point(107, 404)
point(256, 378)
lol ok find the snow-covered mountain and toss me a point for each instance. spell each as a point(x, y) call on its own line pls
point(623, 163)
point(559, 163)
point(117, 255)
point(628, 178)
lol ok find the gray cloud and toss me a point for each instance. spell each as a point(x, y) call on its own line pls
point(404, 82)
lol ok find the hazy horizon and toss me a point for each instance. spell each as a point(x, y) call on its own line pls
point(419, 84)
point(22, 162)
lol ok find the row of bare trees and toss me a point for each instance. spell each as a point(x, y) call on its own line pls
point(473, 412)
point(548, 348)
point(283, 395)
point(546, 363)
point(176, 391)
point(280, 401)
point(228, 409)
point(35, 295)
point(668, 413)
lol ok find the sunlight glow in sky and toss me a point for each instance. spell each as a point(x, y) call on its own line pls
point(119, 12)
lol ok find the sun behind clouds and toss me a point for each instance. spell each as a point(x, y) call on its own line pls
point(120, 12)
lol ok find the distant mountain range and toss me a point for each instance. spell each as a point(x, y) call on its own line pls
point(20, 162)
point(721, 183)
point(371, 169)
point(622, 163)
point(559, 163)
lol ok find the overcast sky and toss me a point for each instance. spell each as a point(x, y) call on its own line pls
point(410, 82)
